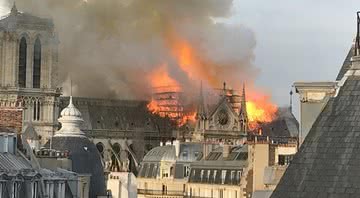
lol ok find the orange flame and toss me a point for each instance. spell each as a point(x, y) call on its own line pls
point(189, 60)
point(260, 110)
point(160, 77)
point(259, 107)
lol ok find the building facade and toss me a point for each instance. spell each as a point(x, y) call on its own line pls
point(165, 169)
point(29, 58)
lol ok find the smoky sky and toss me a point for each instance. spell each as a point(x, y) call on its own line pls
point(109, 47)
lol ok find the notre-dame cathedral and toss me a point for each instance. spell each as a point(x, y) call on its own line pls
point(29, 79)
point(29, 60)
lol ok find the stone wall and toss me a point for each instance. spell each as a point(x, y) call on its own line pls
point(11, 117)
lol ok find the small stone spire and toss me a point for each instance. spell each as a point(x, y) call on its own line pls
point(243, 101)
point(201, 112)
point(14, 10)
point(243, 111)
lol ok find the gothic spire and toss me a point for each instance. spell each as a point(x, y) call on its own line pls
point(243, 112)
point(201, 112)
point(14, 10)
point(243, 101)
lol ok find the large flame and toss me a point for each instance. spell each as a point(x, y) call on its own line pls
point(190, 61)
point(260, 110)
point(167, 101)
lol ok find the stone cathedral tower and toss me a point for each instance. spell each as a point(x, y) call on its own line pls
point(28, 69)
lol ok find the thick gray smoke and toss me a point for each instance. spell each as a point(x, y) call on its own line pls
point(110, 46)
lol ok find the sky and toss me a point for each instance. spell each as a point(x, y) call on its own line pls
point(303, 40)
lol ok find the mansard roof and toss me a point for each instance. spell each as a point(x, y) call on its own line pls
point(210, 169)
point(16, 19)
point(328, 163)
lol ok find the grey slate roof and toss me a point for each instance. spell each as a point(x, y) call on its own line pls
point(210, 169)
point(11, 162)
point(328, 162)
point(285, 125)
point(347, 63)
point(108, 114)
point(188, 153)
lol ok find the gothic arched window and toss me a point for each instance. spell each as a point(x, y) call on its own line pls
point(22, 63)
point(37, 64)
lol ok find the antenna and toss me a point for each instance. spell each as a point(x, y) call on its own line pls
point(70, 86)
point(291, 93)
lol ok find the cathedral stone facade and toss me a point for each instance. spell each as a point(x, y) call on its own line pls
point(226, 121)
point(28, 68)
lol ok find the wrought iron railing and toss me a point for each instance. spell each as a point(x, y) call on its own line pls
point(161, 192)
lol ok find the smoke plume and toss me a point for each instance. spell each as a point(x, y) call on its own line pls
point(111, 47)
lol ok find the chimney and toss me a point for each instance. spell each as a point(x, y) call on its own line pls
point(176, 143)
point(226, 150)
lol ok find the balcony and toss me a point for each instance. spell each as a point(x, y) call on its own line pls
point(157, 193)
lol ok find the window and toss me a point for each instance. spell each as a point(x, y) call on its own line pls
point(34, 189)
point(215, 172)
point(185, 155)
point(196, 154)
point(171, 171)
point(232, 176)
point(238, 176)
point(36, 110)
point(100, 147)
point(154, 171)
point(164, 189)
point(285, 159)
point(186, 171)
point(15, 190)
point(223, 175)
point(202, 175)
point(165, 174)
point(22, 63)
point(221, 193)
point(37, 64)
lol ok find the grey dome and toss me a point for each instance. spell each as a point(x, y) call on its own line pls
point(166, 153)
point(188, 152)
point(85, 158)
